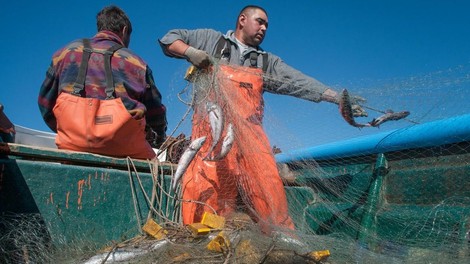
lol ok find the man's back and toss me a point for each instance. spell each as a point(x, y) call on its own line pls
point(106, 86)
point(128, 69)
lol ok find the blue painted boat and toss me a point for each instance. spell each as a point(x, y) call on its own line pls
point(398, 192)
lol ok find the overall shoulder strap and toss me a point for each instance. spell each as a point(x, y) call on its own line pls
point(108, 54)
point(222, 49)
point(79, 84)
point(254, 60)
point(265, 62)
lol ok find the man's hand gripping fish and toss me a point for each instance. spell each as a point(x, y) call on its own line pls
point(346, 111)
point(186, 158)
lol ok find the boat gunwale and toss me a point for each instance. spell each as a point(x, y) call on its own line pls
point(28, 152)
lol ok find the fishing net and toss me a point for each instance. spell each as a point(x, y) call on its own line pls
point(368, 195)
point(397, 190)
point(385, 204)
point(389, 203)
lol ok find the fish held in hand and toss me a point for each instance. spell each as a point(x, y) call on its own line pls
point(389, 115)
point(186, 158)
point(346, 110)
point(216, 120)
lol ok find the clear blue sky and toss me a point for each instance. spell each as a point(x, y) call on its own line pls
point(394, 53)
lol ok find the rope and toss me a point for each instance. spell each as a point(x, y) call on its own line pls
point(134, 198)
point(148, 200)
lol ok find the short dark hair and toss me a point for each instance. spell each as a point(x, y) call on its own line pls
point(114, 19)
point(250, 7)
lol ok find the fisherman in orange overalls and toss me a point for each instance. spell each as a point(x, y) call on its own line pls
point(235, 82)
point(249, 169)
point(99, 96)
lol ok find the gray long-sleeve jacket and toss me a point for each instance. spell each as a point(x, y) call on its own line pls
point(280, 78)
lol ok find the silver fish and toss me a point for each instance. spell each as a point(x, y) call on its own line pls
point(346, 111)
point(125, 255)
point(119, 255)
point(216, 120)
point(389, 115)
point(186, 158)
point(227, 143)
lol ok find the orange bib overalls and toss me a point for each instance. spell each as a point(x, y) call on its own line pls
point(99, 126)
point(249, 170)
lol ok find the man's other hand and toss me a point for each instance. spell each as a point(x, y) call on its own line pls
point(358, 111)
point(137, 113)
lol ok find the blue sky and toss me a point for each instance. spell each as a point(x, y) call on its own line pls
point(403, 55)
